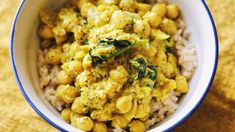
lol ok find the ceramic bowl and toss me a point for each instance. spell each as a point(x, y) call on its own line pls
point(24, 45)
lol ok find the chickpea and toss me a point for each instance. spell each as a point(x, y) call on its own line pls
point(128, 5)
point(84, 78)
point(143, 8)
point(160, 59)
point(172, 11)
point(102, 7)
point(119, 121)
point(100, 115)
point(73, 67)
point(73, 49)
point(60, 39)
point(153, 19)
point(147, 82)
point(65, 114)
point(136, 126)
point(66, 93)
point(100, 127)
point(85, 9)
point(169, 70)
point(111, 88)
point(78, 106)
point(80, 55)
point(150, 52)
point(45, 32)
point(66, 47)
point(65, 77)
point(124, 103)
point(73, 117)
point(87, 62)
point(143, 110)
point(182, 85)
point(85, 48)
point(84, 123)
point(142, 28)
point(160, 9)
point(171, 84)
point(80, 34)
point(60, 34)
point(119, 75)
point(53, 57)
point(80, 3)
point(47, 17)
point(173, 60)
point(168, 26)
point(108, 2)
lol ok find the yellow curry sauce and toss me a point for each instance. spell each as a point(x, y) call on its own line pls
point(116, 56)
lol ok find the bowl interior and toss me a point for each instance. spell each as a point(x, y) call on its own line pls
point(25, 44)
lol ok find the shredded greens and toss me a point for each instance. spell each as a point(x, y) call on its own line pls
point(144, 68)
point(109, 48)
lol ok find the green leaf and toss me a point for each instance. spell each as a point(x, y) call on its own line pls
point(152, 71)
point(140, 65)
point(144, 68)
point(109, 48)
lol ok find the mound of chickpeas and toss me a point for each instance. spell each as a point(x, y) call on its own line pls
point(113, 60)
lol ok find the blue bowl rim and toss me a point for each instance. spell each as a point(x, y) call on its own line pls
point(62, 129)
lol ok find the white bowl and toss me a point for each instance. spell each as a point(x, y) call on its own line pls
point(24, 45)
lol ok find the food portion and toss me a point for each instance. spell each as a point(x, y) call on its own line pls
point(114, 65)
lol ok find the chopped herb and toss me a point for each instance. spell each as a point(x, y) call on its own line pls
point(108, 48)
point(169, 49)
point(140, 65)
point(169, 46)
point(96, 60)
point(87, 42)
point(152, 71)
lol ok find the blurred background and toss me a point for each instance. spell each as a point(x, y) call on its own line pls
point(215, 114)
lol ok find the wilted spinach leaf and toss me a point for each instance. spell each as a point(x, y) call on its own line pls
point(109, 48)
point(144, 68)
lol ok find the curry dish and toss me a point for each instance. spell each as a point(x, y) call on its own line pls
point(113, 62)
